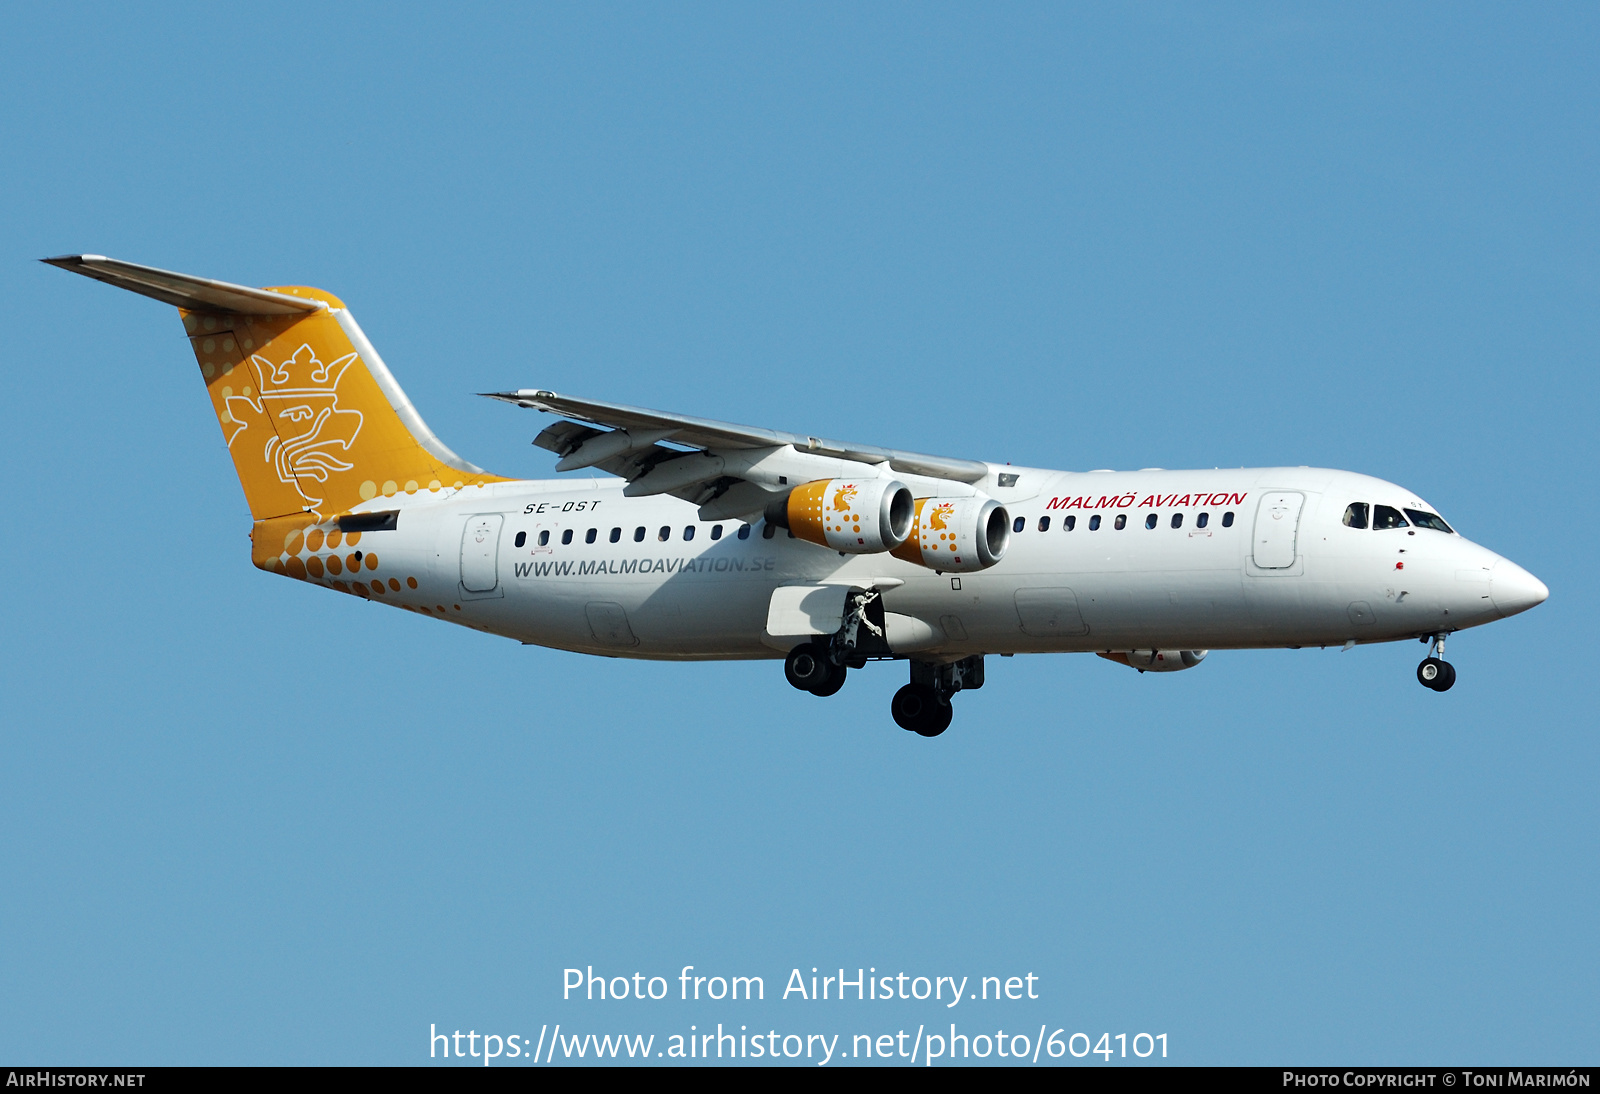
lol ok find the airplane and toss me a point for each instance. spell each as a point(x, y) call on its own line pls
point(704, 540)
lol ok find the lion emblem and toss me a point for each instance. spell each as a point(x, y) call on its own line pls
point(844, 497)
point(298, 419)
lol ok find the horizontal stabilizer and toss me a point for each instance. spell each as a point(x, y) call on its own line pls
point(184, 291)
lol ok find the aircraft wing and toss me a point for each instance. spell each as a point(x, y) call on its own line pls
point(728, 470)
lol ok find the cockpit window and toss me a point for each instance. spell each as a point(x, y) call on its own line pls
point(1355, 515)
point(1428, 520)
point(1385, 517)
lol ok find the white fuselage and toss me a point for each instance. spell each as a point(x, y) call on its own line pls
point(1265, 576)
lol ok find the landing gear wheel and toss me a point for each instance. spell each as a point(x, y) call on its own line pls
point(920, 710)
point(1436, 674)
point(833, 683)
point(807, 667)
point(910, 706)
point(938, 721)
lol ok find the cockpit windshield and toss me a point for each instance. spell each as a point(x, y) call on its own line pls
point(1428, 520)
point(1387, 516)
point(1384, 516)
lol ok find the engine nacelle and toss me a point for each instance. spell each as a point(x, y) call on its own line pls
point(1157, 660)
point(957, 535)
point(856, 516)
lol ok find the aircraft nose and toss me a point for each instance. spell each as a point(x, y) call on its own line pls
point(1514, 589)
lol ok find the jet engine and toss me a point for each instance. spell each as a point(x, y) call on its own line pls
point(1157, 660)
point(957, 535)
point(856, 516)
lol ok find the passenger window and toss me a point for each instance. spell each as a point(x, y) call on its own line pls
point(589, 536)
point(1384, 518)
point(1227, 520)
point(1428, 520)
point(1177, 520)
point(1019, 524)
point(1202, 520)
point(1355, 515)
point(768, 531)
point(716, 531)
point(1122, 521)
point(566, 537)
point(522, 538)
point(688, 532)
point(665, 533)
point(544, 538)
point(616, 535)
point(1044, 524)
point(1151, 521)
point(1094, 523)
point(1069, 523)
point(638, 534)
point(744, 531)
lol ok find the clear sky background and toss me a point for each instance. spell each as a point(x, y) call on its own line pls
point(247, 821)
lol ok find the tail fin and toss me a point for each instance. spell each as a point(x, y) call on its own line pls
point(314, 421)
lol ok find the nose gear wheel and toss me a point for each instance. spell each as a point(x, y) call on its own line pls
point(1435, 672)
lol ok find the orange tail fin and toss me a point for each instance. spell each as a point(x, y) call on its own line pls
point(313, 419)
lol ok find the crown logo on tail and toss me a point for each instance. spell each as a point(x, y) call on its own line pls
point(298, 418)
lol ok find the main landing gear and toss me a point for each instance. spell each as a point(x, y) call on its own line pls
point(922, 706)
point(1435, 672)
point(811, 667)
point(819, 666)
point(921, 710)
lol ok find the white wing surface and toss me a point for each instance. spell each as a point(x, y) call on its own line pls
point(728, 470)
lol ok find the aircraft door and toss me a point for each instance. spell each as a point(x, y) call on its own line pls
point(608, 623)
point(480, 553)
point(1277, 524)
point(1049, 613)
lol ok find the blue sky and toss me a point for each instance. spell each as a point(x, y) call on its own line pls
point(249, 822)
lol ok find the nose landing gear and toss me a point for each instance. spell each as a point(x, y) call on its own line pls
point(1435, 672)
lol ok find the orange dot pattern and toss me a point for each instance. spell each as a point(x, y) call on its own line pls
point(310, 553)
point(943, 536)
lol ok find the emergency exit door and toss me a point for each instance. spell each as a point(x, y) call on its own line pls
point(480, 553)
point(1277, 525)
